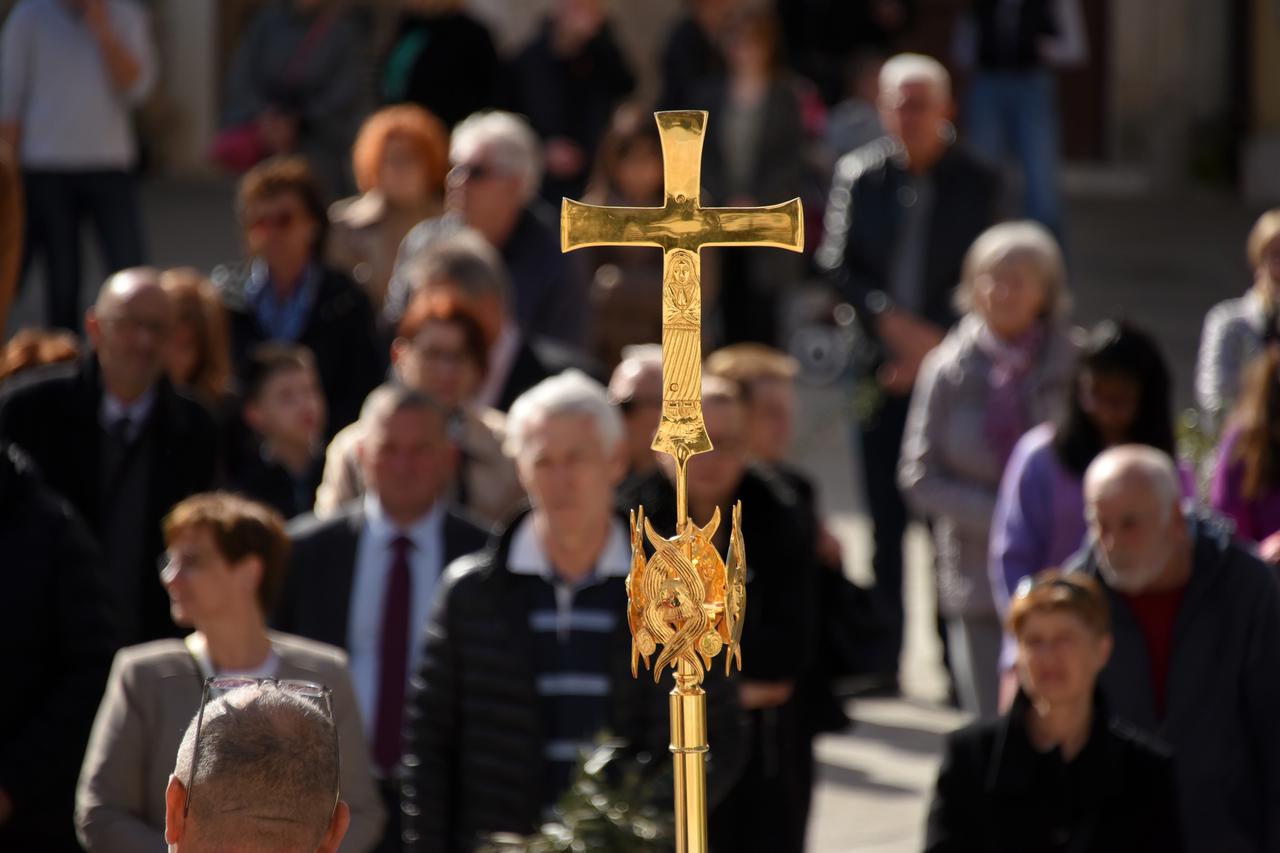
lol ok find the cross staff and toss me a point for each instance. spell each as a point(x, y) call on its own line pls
point(685, 597)
point(681, 227)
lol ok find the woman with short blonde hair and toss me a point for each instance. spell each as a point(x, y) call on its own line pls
point(1237, 330)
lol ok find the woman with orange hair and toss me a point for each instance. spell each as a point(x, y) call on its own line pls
point(400, 160)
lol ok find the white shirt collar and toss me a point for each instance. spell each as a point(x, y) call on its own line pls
point(502, 356)
point(421, 533)
point(527, 556)
point(112, 409)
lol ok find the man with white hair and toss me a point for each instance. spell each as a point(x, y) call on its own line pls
point(527, 655)
point(1197, 645)
point(902, 213)
point(493, 188)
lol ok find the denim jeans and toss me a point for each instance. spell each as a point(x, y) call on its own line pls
point(1015, 113)
point(58, 203)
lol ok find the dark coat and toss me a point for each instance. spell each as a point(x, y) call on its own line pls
point(1222, 697)
point(549, 297)
point(57, 642)
point(340, 332)
point(570, 96)
point(444, 62)
point(474, 749)
point(269, 482)
point(780, 631)
point(54, 418)
point(316, 597)
point(997, 794)
point(864, 214)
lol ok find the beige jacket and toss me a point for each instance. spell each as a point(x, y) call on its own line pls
point(152, 694)
point(490, 489)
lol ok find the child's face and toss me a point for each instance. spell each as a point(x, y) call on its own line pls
point(290, 408)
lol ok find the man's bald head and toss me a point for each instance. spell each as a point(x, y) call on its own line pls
point(125, 286)
point(1137, 530)
point(130, 325)
point(266, 777)
point(1138, 466)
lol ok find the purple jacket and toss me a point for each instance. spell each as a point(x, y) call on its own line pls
point(1039, 516)
point(1255, 518)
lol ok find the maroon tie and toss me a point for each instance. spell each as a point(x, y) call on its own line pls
point(393, 659)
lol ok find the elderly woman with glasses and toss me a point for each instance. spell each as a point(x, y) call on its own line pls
point(224, 565)
point(1003, 369)
point(1057, 772)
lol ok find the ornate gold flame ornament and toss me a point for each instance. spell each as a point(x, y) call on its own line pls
point(684, 598)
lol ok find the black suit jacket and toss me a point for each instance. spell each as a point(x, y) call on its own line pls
point(57, 643)
point(54, 418)
point(340, 332)
point(316, 597)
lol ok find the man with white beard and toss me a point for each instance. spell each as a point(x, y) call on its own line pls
point(1197, 646)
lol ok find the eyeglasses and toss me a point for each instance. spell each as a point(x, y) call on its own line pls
point(464, 172)
point(281, 221)
point(226, 683)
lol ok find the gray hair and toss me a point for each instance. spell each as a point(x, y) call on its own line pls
point(569, 393)
point(392, 398)
point(1024, 241)
point(268, 770)
point(512, 144)
point(463, 257)
point(907, 68)
point(638, 361)
point(1152, 466)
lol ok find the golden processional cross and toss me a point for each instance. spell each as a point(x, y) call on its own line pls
point(685, 597)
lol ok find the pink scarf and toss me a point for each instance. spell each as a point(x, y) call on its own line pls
point(1007, 416)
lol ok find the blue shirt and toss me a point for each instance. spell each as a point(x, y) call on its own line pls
point(282, 319)
point(368, 591)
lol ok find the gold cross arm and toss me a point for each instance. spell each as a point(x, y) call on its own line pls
point(681, 227)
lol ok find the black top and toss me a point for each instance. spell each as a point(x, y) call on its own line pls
point(445, 63)
point(58, 641)
point(997, 793)
point(1009, 34)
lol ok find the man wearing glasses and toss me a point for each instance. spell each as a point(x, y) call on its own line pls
point(119, 442)
point(493, 188)
point(258, 771)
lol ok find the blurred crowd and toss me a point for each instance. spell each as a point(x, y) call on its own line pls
point(379, 466)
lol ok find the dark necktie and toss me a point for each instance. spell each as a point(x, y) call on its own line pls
point(393, 658)
point(113, 462)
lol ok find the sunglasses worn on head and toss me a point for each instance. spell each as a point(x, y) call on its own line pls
point(226, 683)
point(1030, 584)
